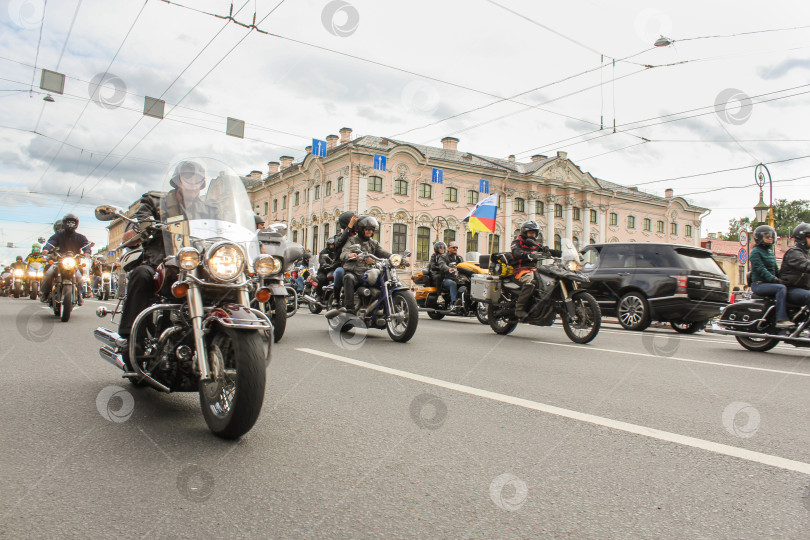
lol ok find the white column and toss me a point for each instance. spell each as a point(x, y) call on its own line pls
point(586, 225)
point(568, 213)
point(362, 194)
point(549, 239)
point(602, 225)
point(508, 215)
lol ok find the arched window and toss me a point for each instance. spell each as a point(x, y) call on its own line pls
point(450, 194)
point(557, 242)
point(472, 242)
point(314, 238)
point(423, 243)
point(647, 224)
point(425, 191)
point(494, 243)
point(520, 205)
point(472, 197)
point(631, 222)
point(593, 216)
point(614, 218)
point(327, 189)
point(539, 207)
point(374, 183)
point(558, 210)
point(449, 236)
point(400, 187)
point(317, 193)
point(325, 233)
point(400, 238)
point(340, 185)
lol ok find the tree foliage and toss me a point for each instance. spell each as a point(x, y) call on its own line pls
point(787, 214)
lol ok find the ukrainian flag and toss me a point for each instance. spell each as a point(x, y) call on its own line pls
point(482, 217)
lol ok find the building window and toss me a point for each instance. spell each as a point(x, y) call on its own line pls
point(500, 201)
point(557, 210)
point(283, 202)
point(659, 227)
point(575, 240)
point(297, 198)
point(328, 189)
point(593, 216)
point(315, 238)
point(592, 240)
point(399, 239)
point(647, 224)
point(631, 222)
point(400, 187)
point(614, 218)
point(306, 195)
point(577, 214)
point(374, 183)
point(295, 236)
point(422, 243)
point(376, 235)
point(340, 185)
point(317, 192)
point(265, 209)
point(325, 233)
point(450, 194)
point(472, 241)
point(673, 228)
point(449, 236)
point(539, 207)
point(275, 205)
point(472, 197)
point(494, 244)
point(688, 231)
point(520, 205)
point(425, 191)
point(557, 242)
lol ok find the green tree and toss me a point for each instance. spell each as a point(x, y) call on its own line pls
point(787, 214)
point(735, 226)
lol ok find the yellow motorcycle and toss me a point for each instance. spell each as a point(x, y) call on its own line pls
point(437, 303)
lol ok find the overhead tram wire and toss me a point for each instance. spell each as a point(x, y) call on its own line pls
point(743, 33)
point(39, 41)
point(184, 97)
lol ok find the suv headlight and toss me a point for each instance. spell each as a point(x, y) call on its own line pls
point(188, 258)
point(68, 263)
point(266, 265)
point(225, 261)
point(395, 259)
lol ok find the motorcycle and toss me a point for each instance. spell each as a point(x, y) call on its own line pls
point(559, 293)
point(105, 288)
point(65, 291)
point(201, 335)
point(36, 271)
point(382, 301)
point(87, 280)
point(17, 283)
point(752, 322)
point(274, 243)
point(438, 304)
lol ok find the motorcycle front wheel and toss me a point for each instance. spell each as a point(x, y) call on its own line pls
point(232, 400)
point(279, 317)
point(587, 319)
point(34, 290)
point(403, 327)
point(67, 303)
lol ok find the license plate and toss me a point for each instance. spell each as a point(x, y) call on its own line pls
point(712, 283)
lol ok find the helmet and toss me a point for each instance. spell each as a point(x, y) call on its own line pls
point(190, 172)
point(70, 222)
point(439, 245)
point(529, 226)
point(761, 231)
point(800, 232)
point(344, 219)
point(330, 242)
point(19, 258)
point(35, 248)
point(366, 222)
point(259, 219)
point(57, 226)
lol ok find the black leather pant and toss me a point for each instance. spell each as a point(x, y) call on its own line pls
point(350, 282)
point(140, 295)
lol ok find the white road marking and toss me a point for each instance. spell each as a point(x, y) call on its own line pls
point(677, 359)
point(685, 440)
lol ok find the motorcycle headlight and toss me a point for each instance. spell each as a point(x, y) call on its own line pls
point(574, 266)
point(395, 259)
point(188, 258)
point(86, 278)
point(105, 275)
point(39, 273)
point(225, 261)
point(18, 272)
point(32, 273)
point(68, 263)
point(266, 265)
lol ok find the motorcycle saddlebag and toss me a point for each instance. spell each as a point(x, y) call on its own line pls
point(421, 277)
point(485, 288)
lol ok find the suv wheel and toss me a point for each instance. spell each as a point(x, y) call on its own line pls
point(634, 311)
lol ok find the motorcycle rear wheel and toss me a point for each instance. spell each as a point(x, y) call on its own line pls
point(435, 316)
point(756, 344)
point(500, 325)
point(587, 319)
point(481, 310)
point(67, 303)
point(315, 308)
point(232, 403)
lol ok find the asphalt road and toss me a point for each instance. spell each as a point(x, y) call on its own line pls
point(458, 434)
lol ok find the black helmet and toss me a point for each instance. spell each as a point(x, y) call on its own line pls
point(529, 226)
point(189, 172)
point(330, 242)
point(344, 219)
point(70, 222)
point(58, 226)
point(19, 258)
point(761, 231)
point(439, 245)
point(259, 219)
point(366, 222)
point(800, 232)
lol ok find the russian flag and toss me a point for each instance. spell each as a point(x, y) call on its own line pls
point(482, 217)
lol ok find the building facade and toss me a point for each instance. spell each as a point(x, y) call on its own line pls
point(414, 211)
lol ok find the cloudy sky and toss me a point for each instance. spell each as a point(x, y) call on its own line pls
point(504, 76)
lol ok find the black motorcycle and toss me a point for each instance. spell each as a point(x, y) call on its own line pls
point(274, 243)
point(66, 290)
point(560, 293)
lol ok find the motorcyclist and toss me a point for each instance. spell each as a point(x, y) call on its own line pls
point(34, 257)
point(19, 264)
point(63, 241)
point(346, 221)
point(523, 247)
point(259, 221)
point(440, 275)
point(765, 279)
point(95, 272)
point(188, 178)
point(355, 268)
point(328, 260)
point(795, 271)
point(451, 278)
point(434, 268)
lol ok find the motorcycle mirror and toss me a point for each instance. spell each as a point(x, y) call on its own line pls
point(406, 253)
point(107, 212)
point(41, 240)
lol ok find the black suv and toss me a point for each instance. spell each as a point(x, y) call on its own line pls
point(639, 282)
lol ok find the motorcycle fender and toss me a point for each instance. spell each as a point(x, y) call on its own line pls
point(276, 289)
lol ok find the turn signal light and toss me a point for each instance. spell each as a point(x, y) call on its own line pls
point(179, 289)
point(263, 295)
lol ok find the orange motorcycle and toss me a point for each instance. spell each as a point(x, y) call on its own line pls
point(437, 303)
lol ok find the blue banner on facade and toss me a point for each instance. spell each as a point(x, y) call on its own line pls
point(380, 162)
point(318, 148)
point(438, 176)
point(483, 186)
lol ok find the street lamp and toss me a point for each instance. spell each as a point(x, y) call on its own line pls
point(763, 211)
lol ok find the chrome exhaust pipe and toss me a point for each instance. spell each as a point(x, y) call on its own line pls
point(311, 299)
point(108, 354)
point(109, 338)
point(715, 329)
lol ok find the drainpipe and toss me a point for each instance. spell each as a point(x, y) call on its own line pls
point(699, 235)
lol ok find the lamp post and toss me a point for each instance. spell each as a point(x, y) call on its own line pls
point(763, 211)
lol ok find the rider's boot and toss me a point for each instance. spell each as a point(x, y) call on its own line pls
point(523, 300)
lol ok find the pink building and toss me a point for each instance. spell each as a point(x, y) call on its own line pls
point(414, 211)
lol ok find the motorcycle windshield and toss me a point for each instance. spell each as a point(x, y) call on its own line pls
point(204, 202)
point(569, 252)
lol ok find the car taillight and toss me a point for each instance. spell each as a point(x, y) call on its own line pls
point(680, 284)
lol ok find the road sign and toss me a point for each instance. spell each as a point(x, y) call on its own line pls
point(742, 256)
point(743, 238)
point(438, 176)
point(483, 186)
point(380, 162)
point(318, 148)
point(110, 254)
